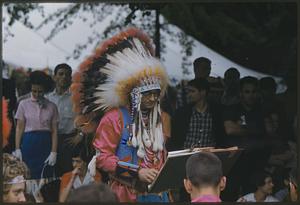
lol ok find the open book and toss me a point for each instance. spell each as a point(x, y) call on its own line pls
point(172, 173)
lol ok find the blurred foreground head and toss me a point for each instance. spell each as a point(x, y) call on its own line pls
point(97, 192)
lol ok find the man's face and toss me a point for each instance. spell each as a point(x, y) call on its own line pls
point(149, 99)
point(249, 94)
point(194, 94)
point(37, 91)
point(63, 78)
point(202, 70)
point(16, 193)
point(267, 188)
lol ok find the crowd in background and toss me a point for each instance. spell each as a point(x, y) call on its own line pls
point(203, 112)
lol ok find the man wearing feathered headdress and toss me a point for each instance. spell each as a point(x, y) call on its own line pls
point(127, 82)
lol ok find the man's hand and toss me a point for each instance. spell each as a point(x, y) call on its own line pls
point(147, 175)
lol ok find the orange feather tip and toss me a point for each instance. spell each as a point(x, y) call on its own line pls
point(90, 127)
point(85, 65)
point(75, 87)
point(76, 108)
point(6, 124)
point(76, 96)
point(80, 120)
point(76, 77)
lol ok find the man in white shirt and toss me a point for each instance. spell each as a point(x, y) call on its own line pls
point(61, 96)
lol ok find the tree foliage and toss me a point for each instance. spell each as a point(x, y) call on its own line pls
point(257, 35)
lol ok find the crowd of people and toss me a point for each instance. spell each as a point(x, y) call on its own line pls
point(104, 134)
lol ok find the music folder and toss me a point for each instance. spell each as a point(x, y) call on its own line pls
point(172, 173)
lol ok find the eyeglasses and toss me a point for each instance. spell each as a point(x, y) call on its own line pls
point(151, 93)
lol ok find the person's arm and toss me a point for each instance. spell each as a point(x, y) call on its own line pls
point(54, 137)
point(66, 187)
point(54, 125)
point(234, 128)
point(19, 132)
point(20, 127)
point(108, 136)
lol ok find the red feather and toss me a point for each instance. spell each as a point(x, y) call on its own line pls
point(76, 96)
point(77, 77)
point(6, 124)
point(75, 87)
point(76, 108)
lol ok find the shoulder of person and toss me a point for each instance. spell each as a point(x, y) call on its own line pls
point(247, 198)
point(50, 102)
point(271, 199)
point(25, 97)
point(66, 177)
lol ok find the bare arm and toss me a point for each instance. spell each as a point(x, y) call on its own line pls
point(19, 132)
point(65, 191)
point(54, 136)
point(234, 128)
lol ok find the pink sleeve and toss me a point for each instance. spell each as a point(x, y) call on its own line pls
point(107, 139)
point(20, 115)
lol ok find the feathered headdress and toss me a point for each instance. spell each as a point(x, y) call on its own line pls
point(106, 78)
point(117, 74)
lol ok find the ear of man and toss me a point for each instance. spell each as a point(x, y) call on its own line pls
point(187, 185)
point(222, 183)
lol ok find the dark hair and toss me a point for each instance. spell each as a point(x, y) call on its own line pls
point(200, 60)
point(200, 84)
point(259, 178)
point(248, 80)
point(82, 150)
point(62, 66)
point(204, 169)
point(95, 192)
point(41, 78)
point(267, 83)
point(232, 73)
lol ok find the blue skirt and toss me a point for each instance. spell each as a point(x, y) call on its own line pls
point(35, 148)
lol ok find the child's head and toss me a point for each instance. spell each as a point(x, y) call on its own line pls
point(263, 182)
point(14, 174)
point(204, 170)
point(81, 156)
point(93, 193)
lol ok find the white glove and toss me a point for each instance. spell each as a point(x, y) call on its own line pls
point(17, 153)
point(92, 165)
point(51, 160)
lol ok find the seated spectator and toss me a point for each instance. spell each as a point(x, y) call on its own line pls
point(80, 175)
point(244, 127)
point(205, 179)
point(14, 174)
point(289, 192)
point(93, 193)
point(197, 123)
point(231, 91)
point(264, 188)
